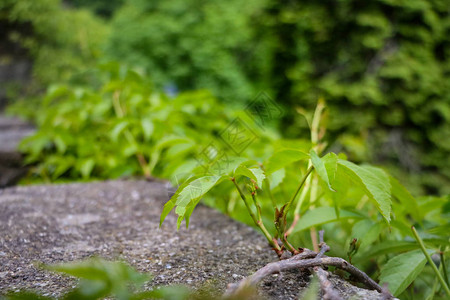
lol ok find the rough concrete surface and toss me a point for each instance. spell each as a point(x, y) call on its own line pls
point(120, 220)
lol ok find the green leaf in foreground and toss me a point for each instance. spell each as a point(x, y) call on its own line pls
point(101, 278)
point(283, 158)
point(401, 270)
point(312, 292)
point(323, 215)
point(319, 166)
point(26, 296)
point(375, 183)
point(187, 197)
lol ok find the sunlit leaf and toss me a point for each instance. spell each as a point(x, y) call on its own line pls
point(254, 173)
point(147, 128)
point(375, 183)
point(283, 158)
point(86, 166)
point(117, 130)
point(276, 178)
point(188, 195)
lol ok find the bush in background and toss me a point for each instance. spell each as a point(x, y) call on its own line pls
point(382, 66)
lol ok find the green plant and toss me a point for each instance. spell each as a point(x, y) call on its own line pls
point(370, 209)
point(124, 127)
point(56, 41)
point(364, 58)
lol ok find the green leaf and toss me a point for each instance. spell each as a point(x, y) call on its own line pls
point(276, 178)
point(312, 292)
point(389, 247)
point(401, 270)
point(331, 165)
point(407, 200)
point(86, 166)
point(26, 296)
point(323, 215)
point(283, 158)
point(100, 269)
point(226, 164)
point(172, 201)
point(173, 292)
point(254, 173)
point(191, 195)
point(375, 183)
point(366, 232)
point(147, 128)
point(320, 168)
point(60, 144)
point(117, 130)
point(188, 195)
point(101, 278)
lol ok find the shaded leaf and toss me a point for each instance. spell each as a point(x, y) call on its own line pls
point(330, 161)
point(389, 247)
point(401, 270)
point(407, 200)
point(319, 166)
point(323, 215)
point(26, 296)
point(366, 232)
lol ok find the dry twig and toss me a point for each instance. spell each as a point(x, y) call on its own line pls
point(328, 292)
point(308, 260)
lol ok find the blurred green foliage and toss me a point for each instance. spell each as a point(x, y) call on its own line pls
point(382, 66)
point(104, 8)
point(61, 42)
point(125, 127)
point(194, 44)
point(100, 278)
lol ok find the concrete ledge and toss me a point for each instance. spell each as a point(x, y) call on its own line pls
point(120, 220)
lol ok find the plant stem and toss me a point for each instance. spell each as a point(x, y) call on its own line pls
point(258, 208)
point(258, 221)
point(266, 184)
point(313, 196)
point(313, 234)
point(298, 188)
point(430, 261)
point(300, 202)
